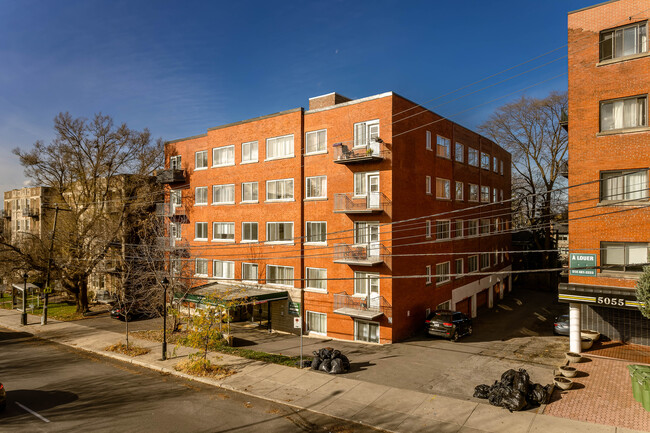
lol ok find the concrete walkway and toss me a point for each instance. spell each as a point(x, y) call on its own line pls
point(372, 404)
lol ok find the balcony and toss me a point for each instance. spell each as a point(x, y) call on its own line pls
point(171, 244)
point(6, 213)
point(373, 152)
point(170, 210)
point(371, 254)
point(374, 202)
point(367, 308)
point(564, 169)
point(171, 175)
point(564, 120)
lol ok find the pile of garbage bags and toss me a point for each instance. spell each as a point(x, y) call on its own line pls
point(514, 391)
point(330, 361)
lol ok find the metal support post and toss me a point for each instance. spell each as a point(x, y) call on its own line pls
point(574, 328)
point(23, 316)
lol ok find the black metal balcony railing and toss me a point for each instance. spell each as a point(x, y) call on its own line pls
point(371, 203)
point(29, 212)
point(6, 213)
point(564, 169)
point(370, 254)
point(169, 244)
point(169, 210)
point(364, 307)
point(171, 175)
point(371, 152)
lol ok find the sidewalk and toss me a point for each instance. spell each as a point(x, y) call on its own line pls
point(372, 404)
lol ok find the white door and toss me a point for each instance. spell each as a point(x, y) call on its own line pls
point(373, 192)
point(373, 240)
point(373, 145)
point(373, 292)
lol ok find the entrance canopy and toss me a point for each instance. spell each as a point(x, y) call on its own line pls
point(20, 287)
point(240, 295)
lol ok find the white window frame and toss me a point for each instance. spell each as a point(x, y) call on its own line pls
point(501, 164)
point(175, 230)
point(473, 157)
point(363, 280)
point(618, 182)
point(243, 231)
point(429, 141)
point(284, 277)
point(477, 195)
point(459, 152)
point(485, 161)
point(268, 182)
point(269, 141)
point(462, 267)
point(196, 160)
point(472, 226)
point(471, 259)
point(443, 229)
point(175, 162)
point(218, 225)
point(321, 278)
point(257, 192)
point(427, 271)
point(367, 126)
point(443, 276)
point(230, 155)
point(215, 188)
point(371, 325)
point(446, 189)
point(269, 224)
point(427, 188)
point(204, 263)
point(198, 192)
point(459, 227)
point(460, 186)
point(322, 188)
point(308, 230)
point(196, 231)
point(484, 192)
point(308, 316)
point(250, 148)
point(641, 104)
point(608, 39)
point(243, 272)
point(427, 229)
point(321, 136)
point(484, 257)
point(443, 147)
point(219, 266)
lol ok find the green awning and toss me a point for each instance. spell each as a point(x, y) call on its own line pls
point(242, 295)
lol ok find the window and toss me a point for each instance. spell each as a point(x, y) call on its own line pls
point(429, 140)
point(501, 164)
point(366, 331)
point(201, 267)
point(459, 268)
point(316, 322)
point(279, 189)
point(223, 269)
point(501, 194)
point(175, 162)
point(444, 306)
point(201, 160)
point(485, 161)
point(201, 195)
point(485, 193)
point(316, 142)
point(316, 187)
point(624, 41)
point(365, 132)
point(428, 229)
point(473, 192)
point(201, 231)
point(279, 232)
point(472, 264)
point(364, 231)
point(485, 260)
point(626, 257)
point(249, 232)
point(472, 227)
point(175, 230)
point(443, 147)
point(249, 272)
point(279, 275)
point(427, 187)
point(223, 194)
point(442, 273)
point(249, 152)
point(364, 282)
point(459, 154)
point(459, 190)
point(316, 278)
point(497, 225)
point(249, 192)
point(472, 156)
point(316, 232)
point(442, 229)
point(624, 185)
point(458, 230)
point(428, 274)
point(495, 164)
point(494, 195)
point(443, 189)
point(223, 156)
point(223, 232)
point(279, 147)
point(623, 113)
point(175, 197)
point(485, 226)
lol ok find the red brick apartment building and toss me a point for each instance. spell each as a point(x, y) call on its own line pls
point(321, 211)
point(609, 157)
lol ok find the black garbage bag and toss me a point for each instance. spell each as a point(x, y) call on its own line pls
point(536, 395)
point(521, 381)
point(325, 353)
point(549, 391)
point(336, 354)
point(345, 362)
point(325, 365)
point(482, 391)
point(497, 393)
point(508, 377)
point(336, 366)
point(513, 400)
point(315, 362)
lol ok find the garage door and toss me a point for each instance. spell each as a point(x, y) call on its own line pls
point(464, 306)
point(496, 289)
point(482, 298)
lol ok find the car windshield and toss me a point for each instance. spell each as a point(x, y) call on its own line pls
point(445, 317)
point(563, 318)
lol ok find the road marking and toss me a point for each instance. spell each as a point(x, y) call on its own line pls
point(42, 418)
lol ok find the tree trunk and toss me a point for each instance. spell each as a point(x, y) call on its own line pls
point(126, 321)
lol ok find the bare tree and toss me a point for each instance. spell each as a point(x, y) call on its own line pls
point(85, 165)
point(530, 130)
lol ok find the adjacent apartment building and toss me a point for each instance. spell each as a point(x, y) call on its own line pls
point(609, 158)
point(360, 216)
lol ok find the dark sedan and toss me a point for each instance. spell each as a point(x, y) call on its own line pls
point(131, 314)
point(448, 324)
point(561, 325)
point(3, 397)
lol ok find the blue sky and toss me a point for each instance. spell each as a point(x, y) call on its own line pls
point(180, 67)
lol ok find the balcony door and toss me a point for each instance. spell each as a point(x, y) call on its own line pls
point(366, 233)
point(373, 191)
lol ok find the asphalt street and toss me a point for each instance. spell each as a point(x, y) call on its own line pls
point(54, 388)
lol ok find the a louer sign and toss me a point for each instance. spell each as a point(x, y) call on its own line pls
point(577, 261)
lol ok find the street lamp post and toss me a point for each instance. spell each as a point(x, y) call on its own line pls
point(23, 316)
point(165, 281)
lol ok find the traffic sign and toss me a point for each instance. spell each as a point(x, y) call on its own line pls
point(297, 323)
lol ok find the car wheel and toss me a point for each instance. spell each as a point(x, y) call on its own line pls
point(469, 330)
point(454, 337)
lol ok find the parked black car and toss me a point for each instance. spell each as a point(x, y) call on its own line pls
point(561, 325)
point(3, 397)
point(448, 324)
point(133, 314)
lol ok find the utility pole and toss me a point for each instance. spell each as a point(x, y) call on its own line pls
point(23, 316)
point(49, 262)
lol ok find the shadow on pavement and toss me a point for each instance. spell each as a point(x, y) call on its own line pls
point(35, 400)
